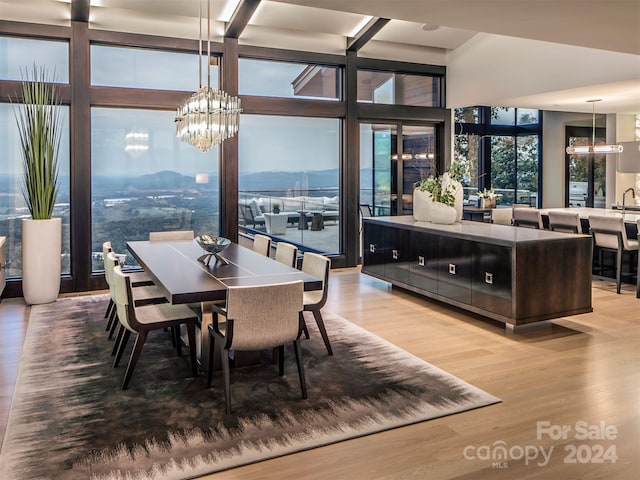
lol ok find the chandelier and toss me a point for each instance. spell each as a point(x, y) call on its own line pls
point(209, 116)
point(593, 148)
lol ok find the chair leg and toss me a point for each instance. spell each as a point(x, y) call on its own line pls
point(281, 360)
point(303, 383)
point(121, 346)
point(135, 355)
point(175, 339)
point(227, 381)
point(116, 344)
point(323, 331)
point(191, 333)
point(210, 360)
point(113, 329)
point(113, 315)
point(618, 269)
point(304, 326)
point(109, 307)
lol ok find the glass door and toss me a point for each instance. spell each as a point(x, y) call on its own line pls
point(390, 169)
point(378, 184)
point(586, 174)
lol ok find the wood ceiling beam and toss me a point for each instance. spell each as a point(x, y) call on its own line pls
point(80, 10)
point(366, 33)
point(240, 18)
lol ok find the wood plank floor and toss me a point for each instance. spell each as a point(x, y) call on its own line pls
point(577, 371)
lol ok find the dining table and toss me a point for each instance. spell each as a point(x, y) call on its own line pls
point(176, 270)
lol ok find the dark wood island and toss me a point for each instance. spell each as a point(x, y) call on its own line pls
point(511, 274)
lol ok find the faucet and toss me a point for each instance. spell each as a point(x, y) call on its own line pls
point(633, 195)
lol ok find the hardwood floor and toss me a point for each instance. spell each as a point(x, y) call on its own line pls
point(581, 371)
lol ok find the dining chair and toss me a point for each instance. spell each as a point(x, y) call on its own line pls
point(171, 235)
point(142, 295)
point(502, 216)
point(610, 234)
point(142, 320)
point(138, 279)
point(527, 217)
point(564, 221)
point(286, 253)
point(262, 244)
point(317, 266)
point(258, 317)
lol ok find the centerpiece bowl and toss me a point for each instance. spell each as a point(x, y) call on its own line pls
point(213, 245)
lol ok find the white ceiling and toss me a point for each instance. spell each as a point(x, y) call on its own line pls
point(596, 28)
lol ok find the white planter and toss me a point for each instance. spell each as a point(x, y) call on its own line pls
point(41, 264)
point(426, 210)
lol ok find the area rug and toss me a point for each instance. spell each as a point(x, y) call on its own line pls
point(70, 420)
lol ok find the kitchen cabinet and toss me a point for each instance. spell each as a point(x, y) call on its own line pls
point(510, 274)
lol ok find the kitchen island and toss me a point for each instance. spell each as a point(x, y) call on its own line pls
point(511, 274)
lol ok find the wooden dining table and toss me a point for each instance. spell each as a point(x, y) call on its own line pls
point(176, 270)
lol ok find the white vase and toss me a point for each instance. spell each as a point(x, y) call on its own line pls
point(426, 210)
point(458, 193)
point(41, 261)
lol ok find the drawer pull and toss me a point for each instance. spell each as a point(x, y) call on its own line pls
point(394, 254)
point(421, 260)
point(372, 248)
point(452, 269)
point(488, 278)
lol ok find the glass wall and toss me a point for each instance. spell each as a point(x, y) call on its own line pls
point(12, 204)
point(146, 68)
point(145, 179)
point(500, 147)
point(18, 54)
point(268, 78)
point(289, 179)
point(398, 88)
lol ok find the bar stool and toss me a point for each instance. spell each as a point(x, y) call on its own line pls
point(609, 234)
point(564, 222)
point(527, 217)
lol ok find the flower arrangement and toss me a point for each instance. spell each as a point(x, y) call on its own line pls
point(488, 193)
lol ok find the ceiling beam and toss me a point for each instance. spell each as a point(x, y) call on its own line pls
point(366, 33)
point(80, 10)
point(240, 18)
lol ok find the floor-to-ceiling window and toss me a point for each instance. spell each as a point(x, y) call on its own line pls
point(501, 148)
point(17, 59)
point(144, 179)
point(289, 166)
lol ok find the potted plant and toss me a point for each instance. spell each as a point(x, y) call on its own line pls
point(39, 122)
point(276, 208)
point(434, 201)
point(487, 198)
point(438, 199)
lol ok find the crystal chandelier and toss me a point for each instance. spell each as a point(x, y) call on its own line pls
point(593, 148)
point(209, 116)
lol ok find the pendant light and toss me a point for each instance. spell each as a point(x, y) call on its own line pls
point(593, 148)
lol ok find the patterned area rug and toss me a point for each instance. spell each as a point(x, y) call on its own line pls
point(70, 420)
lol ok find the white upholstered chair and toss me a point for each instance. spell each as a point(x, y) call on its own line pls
point(564, 221)
point(144, 289)
point(142, 320)
point(317, 266)
point(609, 234)
point(527, 217)
point(502, 216)
point(262, 244)
point(171, 235)
point(258, 317)
point(286, 253)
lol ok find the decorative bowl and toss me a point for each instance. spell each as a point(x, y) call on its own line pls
point(213, 246)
